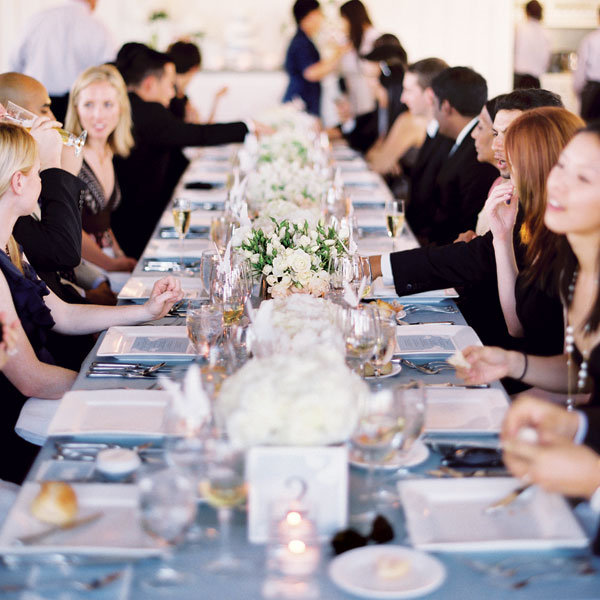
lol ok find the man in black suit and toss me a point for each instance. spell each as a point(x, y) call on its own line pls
point(419, 97)
point(143, 175)
point(462, 182)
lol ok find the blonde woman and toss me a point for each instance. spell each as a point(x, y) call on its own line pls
point(99, 104)
point(29, 368)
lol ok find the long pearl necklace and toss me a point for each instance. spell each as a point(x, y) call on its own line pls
point(582, 374)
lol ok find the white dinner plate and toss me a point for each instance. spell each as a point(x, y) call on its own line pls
point(158, 248)
point(449, 515)
point(473, 411)
point(355, 572)
point(396, 368)
point(434, 339)
point(116, 533)
point(122, 412)
point(147, 343)
point(139, 288)
point(418, 453)
point(379, 290)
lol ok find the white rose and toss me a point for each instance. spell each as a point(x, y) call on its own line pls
point(267, 269)
point(329, 242)
point(304, 240)
point(269, 249)
point(255, 258)
point(279, 265)
point(271, 279)
point(300, 261)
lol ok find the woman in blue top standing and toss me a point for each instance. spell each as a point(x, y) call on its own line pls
point(303, 62)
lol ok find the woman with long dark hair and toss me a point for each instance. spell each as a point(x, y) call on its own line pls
point(354, 69)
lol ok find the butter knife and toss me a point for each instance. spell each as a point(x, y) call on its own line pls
point(506, 500)
point(27, 540)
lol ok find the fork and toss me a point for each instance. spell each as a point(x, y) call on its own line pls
point(412, 308)
point(430, 368)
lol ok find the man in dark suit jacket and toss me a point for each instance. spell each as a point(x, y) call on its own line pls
point(462, 182)
point(143, 175)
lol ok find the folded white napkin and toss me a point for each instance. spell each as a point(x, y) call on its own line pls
point(34, 420)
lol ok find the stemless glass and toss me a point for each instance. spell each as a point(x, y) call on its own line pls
point(167, 502)
point(360, 333)
point(390, 421)
point(204, 326)
point(21, 116)
point(385, 345)
point(394, 218)
point(224, 490)
point(182, 216)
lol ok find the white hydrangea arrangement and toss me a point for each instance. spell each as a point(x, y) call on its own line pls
point(314, 403)
point(290, 146)
point(292, 258)
point(289, 116)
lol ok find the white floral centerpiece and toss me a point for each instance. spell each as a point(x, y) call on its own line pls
point(290, 146)
point(282, 180)
point(297, 323)
point(289, 116)
point(292, 258)
point(296, 400)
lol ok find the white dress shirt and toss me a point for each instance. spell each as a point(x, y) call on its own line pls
point(532, 48)
point(61, 42)
point(588, 61)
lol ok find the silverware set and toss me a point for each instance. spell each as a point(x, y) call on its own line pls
point(128, 370)
point(432, 367)
point(413, 308)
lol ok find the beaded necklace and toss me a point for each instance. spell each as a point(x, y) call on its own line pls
point(582, 374)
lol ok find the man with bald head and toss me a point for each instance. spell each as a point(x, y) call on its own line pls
point(26, 92)
point(58, 44)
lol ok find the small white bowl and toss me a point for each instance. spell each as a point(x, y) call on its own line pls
point(117, 462)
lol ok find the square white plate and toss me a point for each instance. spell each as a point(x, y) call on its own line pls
point(448, 515)
point(147, 343)
point(380, 290)
point(122, 412)
point(433, 339)
point(158, 248)
point(139, 288)
point(198, 217)
point(118, 532)
point(469, 411)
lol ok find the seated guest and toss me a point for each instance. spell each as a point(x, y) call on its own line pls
point(572, 213)
point(98, 103)
point(187, 60)
point(303, 64)
point(23, 297)
point(419, 98)
point(8, 340)
point(474, 263)
point(143, 175)
point(462, 182)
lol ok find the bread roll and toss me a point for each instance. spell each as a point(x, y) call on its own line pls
point(56, 503)
point(391, 567)
point(370, 371)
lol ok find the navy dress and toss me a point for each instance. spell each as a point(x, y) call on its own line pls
point(27, 292)
point(301, 54)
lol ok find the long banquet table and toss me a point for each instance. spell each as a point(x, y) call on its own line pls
point(469, 575)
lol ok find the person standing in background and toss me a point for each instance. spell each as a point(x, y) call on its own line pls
point(303, 62)
point(532, 48)
point(357, 72)
point(586, 80)
point(58, 44)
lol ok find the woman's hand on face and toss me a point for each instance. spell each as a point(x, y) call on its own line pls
point(501, 208)
point(165, 293)
point(564, 467)
point(552, 423)
point(123, 263)
point(487, 364)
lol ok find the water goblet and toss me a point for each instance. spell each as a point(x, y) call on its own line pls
point(167, 504)
point(385, 345)
point(204, 326)
point(360, 334)
point(228, 290)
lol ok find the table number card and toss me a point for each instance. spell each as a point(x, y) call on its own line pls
point(269, 472)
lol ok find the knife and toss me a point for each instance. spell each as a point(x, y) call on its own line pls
point(458, 386)
point(36, 537)
point(506, 500)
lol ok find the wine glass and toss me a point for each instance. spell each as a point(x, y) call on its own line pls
point(204, 326)
point(224, 490)
point(208, 263)
point(167, 503)
point(220, 232)
point(182, 216)
point(391, 420)
point(361, 269)
point(340, 272)
point(394, 218)
point(228, 290)
point(360, 334)
point(25, 118)
point(385, 345)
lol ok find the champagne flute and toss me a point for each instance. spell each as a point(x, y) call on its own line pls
point(182, 216)
point(21, 116)
point(225, 489)
point(360, 333)
point(394, 218)
point(204, 326)
point(167, 503)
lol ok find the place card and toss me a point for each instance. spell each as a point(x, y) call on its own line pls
point(317, 475)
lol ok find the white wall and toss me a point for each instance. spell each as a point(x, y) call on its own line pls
point(476, 33)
